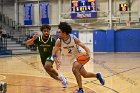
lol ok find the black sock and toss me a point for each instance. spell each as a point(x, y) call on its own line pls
point(80, 88)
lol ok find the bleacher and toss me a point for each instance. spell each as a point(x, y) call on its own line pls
point(14, 42)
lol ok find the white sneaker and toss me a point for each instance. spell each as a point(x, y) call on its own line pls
point(63, 80)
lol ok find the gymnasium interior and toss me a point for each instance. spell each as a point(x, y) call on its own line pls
point(109, 28)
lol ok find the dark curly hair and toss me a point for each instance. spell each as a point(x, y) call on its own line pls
point(65, 27)
point(45, 26)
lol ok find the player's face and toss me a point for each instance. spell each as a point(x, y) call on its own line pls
point(60, 34)
point(46, 32)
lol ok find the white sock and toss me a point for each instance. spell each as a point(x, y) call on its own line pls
point(60, 76)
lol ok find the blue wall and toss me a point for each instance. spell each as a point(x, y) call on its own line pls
point(110, 40)
point(127, 40)
point(124, 40)
point(99, 37)
point(75, 32)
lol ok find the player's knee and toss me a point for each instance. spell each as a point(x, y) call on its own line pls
point(51, 74)
point(74, 70)
point(47, 68)
point(76, 65)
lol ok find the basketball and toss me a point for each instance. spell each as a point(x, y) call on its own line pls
point(82, 58)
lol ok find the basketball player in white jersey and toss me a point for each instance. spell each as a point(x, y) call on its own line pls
point(67, 44)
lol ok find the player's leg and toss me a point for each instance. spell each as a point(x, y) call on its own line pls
point(75, 70)
point(54, 74)
point(47, 64)
point(49, 69)
point(86, 74)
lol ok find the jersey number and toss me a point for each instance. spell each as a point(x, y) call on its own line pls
point(69, 51)
point(45, 49)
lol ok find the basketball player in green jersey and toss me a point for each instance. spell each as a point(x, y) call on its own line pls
point(45, 44)
point(67, 42)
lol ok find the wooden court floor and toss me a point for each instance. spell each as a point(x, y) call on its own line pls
point(25, 74)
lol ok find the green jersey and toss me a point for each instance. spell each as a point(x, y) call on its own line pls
point(45, 48)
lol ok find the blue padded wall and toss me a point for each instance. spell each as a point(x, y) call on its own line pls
point(110, 40)
point(99, 43)
point(127, 40)
point(123, 40)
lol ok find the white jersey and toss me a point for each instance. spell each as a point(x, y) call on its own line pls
point(69, 48)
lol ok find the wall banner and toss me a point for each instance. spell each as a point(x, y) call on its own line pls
point(44, 12)
point(28, 14)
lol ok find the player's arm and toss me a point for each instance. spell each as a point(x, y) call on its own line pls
point(31, 41)
point(55, 52)
point(78, 42)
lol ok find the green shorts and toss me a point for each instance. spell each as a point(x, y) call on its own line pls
point(47, 59)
